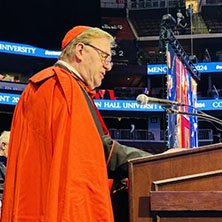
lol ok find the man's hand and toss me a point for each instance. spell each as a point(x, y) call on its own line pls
point(173, 150)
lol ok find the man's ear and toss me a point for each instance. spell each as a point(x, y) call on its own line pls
point(3, 145)
point(79, 50)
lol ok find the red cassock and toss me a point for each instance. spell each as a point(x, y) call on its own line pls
point(56, 168)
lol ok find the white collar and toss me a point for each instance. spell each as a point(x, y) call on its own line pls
point(71, 68)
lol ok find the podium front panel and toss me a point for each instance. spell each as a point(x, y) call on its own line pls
point(194, 170)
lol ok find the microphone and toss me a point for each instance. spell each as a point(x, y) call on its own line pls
point(142, 99)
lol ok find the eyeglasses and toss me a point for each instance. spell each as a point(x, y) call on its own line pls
point(107, 59)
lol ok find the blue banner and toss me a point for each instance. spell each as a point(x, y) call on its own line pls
point(123, 105)
point(201, 67)
point(204, 105)
point(27, 50)
point(9, 99)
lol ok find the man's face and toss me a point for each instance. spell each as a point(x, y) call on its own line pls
point(96, 62)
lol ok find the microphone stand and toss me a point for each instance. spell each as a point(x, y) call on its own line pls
point(168, 106)
point(202, 115)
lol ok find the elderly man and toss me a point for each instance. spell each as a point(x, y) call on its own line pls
point(60, 152)
point(4, 140)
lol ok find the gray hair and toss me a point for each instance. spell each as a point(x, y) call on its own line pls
point(85, 37)
point(4, 138)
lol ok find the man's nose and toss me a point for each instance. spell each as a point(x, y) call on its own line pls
point(108, 66)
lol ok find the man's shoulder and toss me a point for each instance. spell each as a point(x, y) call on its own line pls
point(50, 72)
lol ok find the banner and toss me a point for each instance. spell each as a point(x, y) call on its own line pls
point(159, 69)
point(123, 105)
point(27, 50)
point(182, 88)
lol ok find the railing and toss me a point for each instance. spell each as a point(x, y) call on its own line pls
point(205, 134)
point(127, 134)
point(112, 4)
point(212, 2)
point(139, 4)
point(150, 4)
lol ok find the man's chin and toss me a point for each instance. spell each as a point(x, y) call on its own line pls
point(98, 84)
point(95, 85)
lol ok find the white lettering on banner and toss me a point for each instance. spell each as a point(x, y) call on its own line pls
point(98, 104)
point(114, 53)
point(131, 105)
point(125, 105)
point(150, 106)
point(217, 104)
point(117, 53)
point(47, 52)
point(4, 98)
point(112, 105)
point(199, 105)
point(218, 67)
point(15, 48)
point(138, 106)
point(201, 67)
point(155, 69)
point(15, 99)
point(106, 26)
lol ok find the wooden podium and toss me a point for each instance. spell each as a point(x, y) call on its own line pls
point(184, 186)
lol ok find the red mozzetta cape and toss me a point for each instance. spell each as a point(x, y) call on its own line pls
point(56, 168)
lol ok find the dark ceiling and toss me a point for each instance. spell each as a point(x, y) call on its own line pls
point(44, 23)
